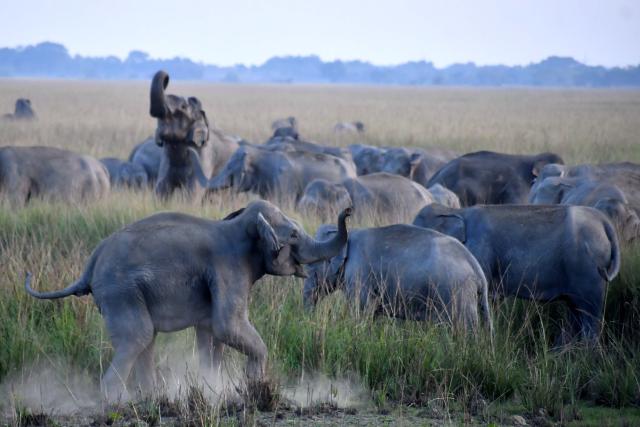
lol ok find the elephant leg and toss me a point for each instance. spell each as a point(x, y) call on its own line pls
point(144, 369)
point(209, 351)
point(242, 336)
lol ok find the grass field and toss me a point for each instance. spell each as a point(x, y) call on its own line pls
point(339, 366)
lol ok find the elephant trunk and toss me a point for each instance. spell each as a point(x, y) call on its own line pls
point(311, 250)
point(159, 107)
point(203, 180)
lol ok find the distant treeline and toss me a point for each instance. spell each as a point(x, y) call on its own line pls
point(53, 60)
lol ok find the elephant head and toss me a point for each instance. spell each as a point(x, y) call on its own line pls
point(550, 191)
point(283, 244)
point(23, 109)
point(623, 217)
point(400, 161)
point(324, 276)
point(238, 172)
point(443, 219)
point(542, 160)
point(368, 159)
point(322, 197)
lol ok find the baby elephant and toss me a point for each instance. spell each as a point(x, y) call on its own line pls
point(392, 197)
point(404, 272)
point(171, 271)
point(542, 253)
point(125, 174)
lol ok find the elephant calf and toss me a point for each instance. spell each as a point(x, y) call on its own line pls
point(171, 271)
point(380, 194)
point(125, 174)
point(51, 174)
point(542, 253)
point(405, 272)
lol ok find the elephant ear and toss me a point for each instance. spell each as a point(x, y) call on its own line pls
point(414, 161)
point(453, 225)
point(267, 235)
point(199, 132)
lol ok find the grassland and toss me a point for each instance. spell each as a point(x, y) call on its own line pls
point(52, 353)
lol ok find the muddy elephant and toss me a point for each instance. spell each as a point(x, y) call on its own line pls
point(405, 272)
point(381, 195)
point(584, 191)
point(52, 174)
point(492, 178)
point(171, 271)
point(541, 253)
point(23, 111)
point(278, 175)
point(182, 129)
point(125, 174)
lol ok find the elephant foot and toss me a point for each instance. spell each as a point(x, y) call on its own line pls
point(263, 395)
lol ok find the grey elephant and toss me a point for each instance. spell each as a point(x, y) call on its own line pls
point(492, 178)
point(125, 174)
point(182, 129)
point(290, 144)
point(380, 195)
point(289, 122)
point(171, 271)
point(52, 174)
point(419, 164)
point(278, 175)
point(23, 111)
point(405, 272)
point(541, 253)
point(584, 191)
point(367, 158)
point(344, 127)
point(444, 196)
point(148, 155)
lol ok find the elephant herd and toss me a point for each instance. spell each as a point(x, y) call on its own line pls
point(482, 224)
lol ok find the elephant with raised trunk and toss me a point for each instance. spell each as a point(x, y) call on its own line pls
point(492, 178)
point(171, 271)
point(541, 253)
point(183, 129)
point(51, 174)
point(405, 272)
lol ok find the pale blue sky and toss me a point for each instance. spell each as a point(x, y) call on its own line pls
point(605, 32)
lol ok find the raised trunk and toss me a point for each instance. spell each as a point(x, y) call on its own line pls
point(311, 250)
point(158, 108)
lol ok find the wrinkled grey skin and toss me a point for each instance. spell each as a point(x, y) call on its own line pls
point(444, 196)
point(542, 253)
point(148, 155)
point(492, 178)
point(290, 144)
point(405, 272)
point(289, 122)
point(349, 127)
point(171, 271)
point(51, 174)
point(23, 111)
point(278, 174)
point(380, 195)
point(125, 174)
point(182, 130)
point(583, 191)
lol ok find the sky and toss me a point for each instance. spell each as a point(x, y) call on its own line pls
point(510, 32)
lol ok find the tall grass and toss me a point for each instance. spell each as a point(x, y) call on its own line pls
point(398, 361)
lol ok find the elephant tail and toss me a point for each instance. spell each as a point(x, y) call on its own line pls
point(613, 268)
point(79, 288)
point(483, 296)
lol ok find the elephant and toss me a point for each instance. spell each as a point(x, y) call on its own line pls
point(415, 163)
point(52, 174)
point(444, 196)
point(148, 155)
point(289, 122)
point(601, 195)
point(379, 195)
point(291, 144)
point(171, 271)
point(405, 272)
point(344, 127)
point(125, 174)
point(286, 132)
point(492, 178)
point(23, 111)
point(541, 253)
point(183, 129)
point(277, 175)
point(367, 158)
